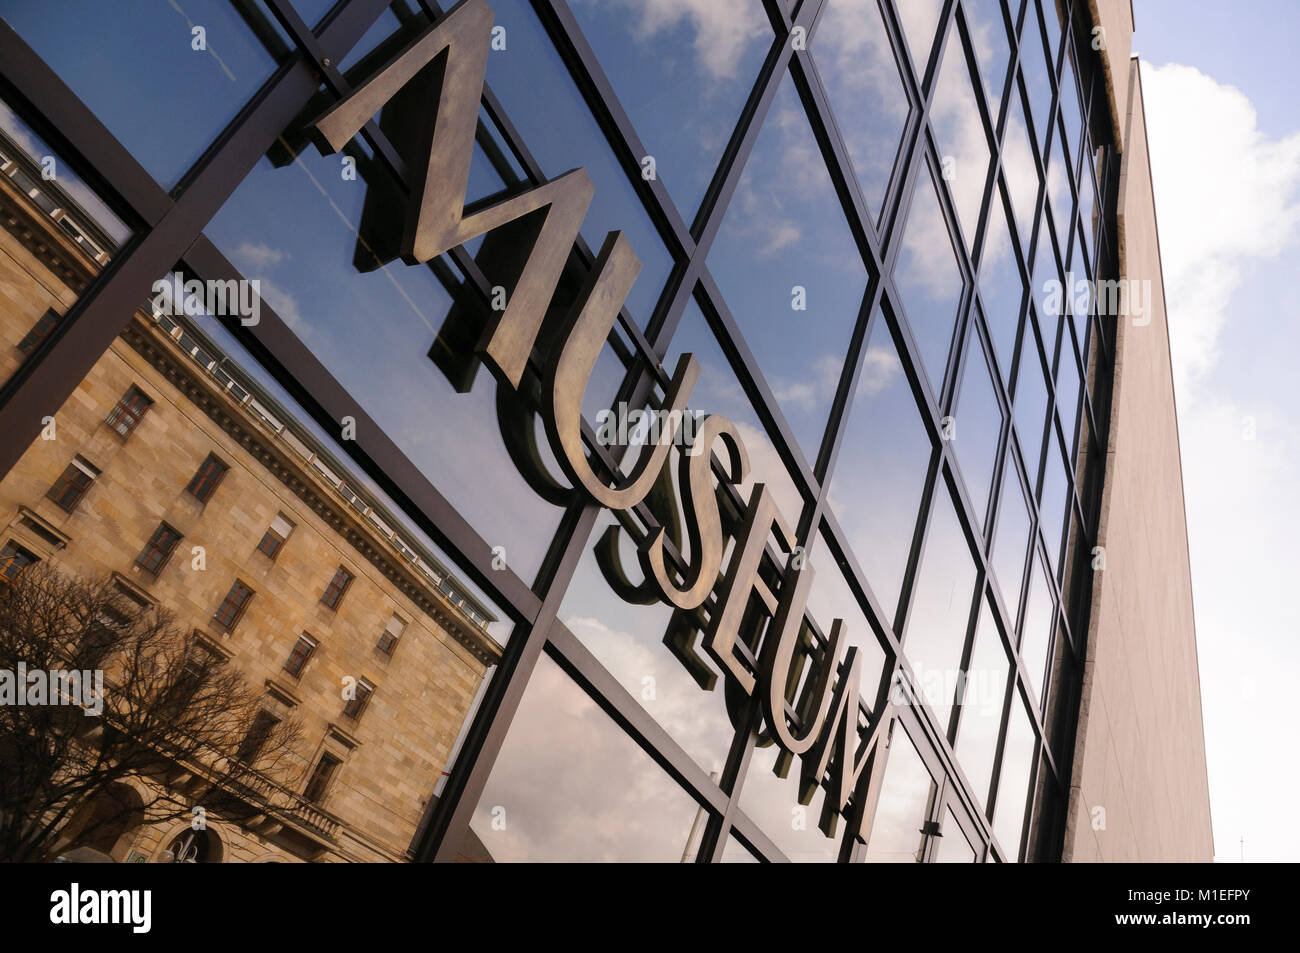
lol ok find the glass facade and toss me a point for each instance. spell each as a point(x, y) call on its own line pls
point(850, 214)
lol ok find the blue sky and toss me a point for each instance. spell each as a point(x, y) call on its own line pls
point(1224, 129)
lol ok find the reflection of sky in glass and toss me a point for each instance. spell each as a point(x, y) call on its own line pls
point(860, 73)
point(1033, 66)
point(900, 812)
point(981, 713)
point(133, 65)
point(952, 846)
point(1019, 168)
point(629, 641)
point(1071, 110)
point(294, 229)
point(547, 111)
point(1001, 289)
point(959, 135)
point(935, 633)
point(1030, 410)
point(569, 785)
point(875, 491)
point(719, 392)
point(988, 35)
point(784, 230)
point(1012, 538)
point(1036, 632)
point(769, 799)
point(1056, 487)
point(1013, 788)
point(929, 279)
point(920, 19)
point(311, 11)
point(1059, 197)
point(682, 72)
point(978, 426)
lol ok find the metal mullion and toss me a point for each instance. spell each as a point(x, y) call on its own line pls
point(298, 369)
point(40, 386)
point(594, 86)
point(61, 117)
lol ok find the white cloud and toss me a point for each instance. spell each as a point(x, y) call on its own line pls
point(257, 257)
point(1225, 192)
point(723, 29)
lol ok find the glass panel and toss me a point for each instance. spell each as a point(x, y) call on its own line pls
point(904, 801)
point(935, 632)
point(362, 781)
point(312, 11)
point(875, 492)
point(1012, 539)
point(953, 848)
point(960, 138)
point(1060, 198)
point(978, 427)
point(682, 73)
point(790, 270)
point(1020, 170)
point(1068, 387)
point(735, 852)
point(988, 34)
point(984, 693)
point(298, 231)
point(1056, 489)
point(1031, 401)
point(540, 99)
point(920, 20)
point(56, 234)
point(1034, 68)
point(1088, 213)
point(773, 802)
point(1001, 288)
point(198, 81)
point(569, 786)
point(1013, 788)
point(719, 391)
point(862, 81)
point(928, 277)
point(1071, 110)
point(653, 651)
point(1036, 630)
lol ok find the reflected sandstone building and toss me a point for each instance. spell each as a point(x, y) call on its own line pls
point(170, 471)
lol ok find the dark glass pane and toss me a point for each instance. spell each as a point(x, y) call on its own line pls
point(790, 270)
point(984, 692)
point(920, 20)
point(935, 632)
point(1001, 288)
point(1088, 212)
point(1020, 170)
point(862, 80)
point(1053, 16)
point(978, 427)
point(296, 229)
point(1068, 389)
point(312, 11)
point(1011, 540)
point(568, 785)
point(540, 99)
point(773, 802)
point(875, 492)
point(929, 279)
point(98, 49)
point(1013, 785)
point(1071, 110)
point(719, 392)
point(1036, 629)
point(952, 847)
point(1056, 490)
point(682, 73)
point(904, 800)
point(988, 34)
point(959, 136)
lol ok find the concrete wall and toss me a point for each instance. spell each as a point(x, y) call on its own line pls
point(1139, 790)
